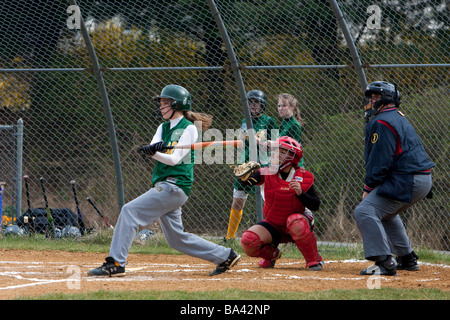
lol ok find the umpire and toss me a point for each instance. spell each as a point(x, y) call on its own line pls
point(398, 174)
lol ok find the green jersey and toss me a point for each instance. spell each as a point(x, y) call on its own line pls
point(181, 174)
point(263, 126)
point(291, 128)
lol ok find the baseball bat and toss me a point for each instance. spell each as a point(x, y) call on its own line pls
point(80, 217)
point(47, 208)
point(27, 192)
point(27, 218)
point(99, 213)
point(201, 145)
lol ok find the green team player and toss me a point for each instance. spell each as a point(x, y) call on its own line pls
point(262, 126)
point(292, 122)
point(172, 179)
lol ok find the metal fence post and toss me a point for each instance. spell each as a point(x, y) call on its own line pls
point(106, 108)
point(19, 157)
point(350, 44)
point(242, 94)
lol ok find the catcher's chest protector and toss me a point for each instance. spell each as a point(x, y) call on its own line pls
point(280, 200)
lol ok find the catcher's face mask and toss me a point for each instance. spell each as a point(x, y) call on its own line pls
point(286, 157)
point(289, 152)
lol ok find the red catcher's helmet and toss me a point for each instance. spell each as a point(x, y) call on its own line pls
point(295, 154)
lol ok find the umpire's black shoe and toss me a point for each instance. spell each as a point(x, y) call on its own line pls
point(408, 262)
point(110, 268)
point(386, 267)
point(232, 260)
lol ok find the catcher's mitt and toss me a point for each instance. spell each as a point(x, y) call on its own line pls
point(243, 171)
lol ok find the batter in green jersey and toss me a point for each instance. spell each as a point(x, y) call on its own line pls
point(181, 174)
point(171, 185)
point(262, 127)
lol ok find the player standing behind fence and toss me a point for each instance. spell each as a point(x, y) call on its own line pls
point(292, 122)
point(398, 174)
point(288, 191)
point(262, 126)
point(172, 179)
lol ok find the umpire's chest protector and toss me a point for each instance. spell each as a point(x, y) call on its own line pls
point(280, 200)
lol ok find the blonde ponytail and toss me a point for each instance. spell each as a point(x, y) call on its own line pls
point(204, 118)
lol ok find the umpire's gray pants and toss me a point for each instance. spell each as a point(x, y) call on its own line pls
point(162, 202)
point(377, 218)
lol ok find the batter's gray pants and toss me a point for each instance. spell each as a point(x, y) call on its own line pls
point(162, 202)
point(377, 218)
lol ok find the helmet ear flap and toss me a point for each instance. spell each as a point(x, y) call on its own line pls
point(175, 105)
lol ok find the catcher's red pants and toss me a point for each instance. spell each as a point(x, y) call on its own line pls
point(298, 229)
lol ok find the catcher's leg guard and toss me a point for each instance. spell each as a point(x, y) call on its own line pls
point(233, 223)
point(300, 229)
point(253, 246)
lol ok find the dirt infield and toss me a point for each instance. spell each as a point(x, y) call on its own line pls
point(34, 273)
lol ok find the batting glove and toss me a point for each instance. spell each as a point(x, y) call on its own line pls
point(153, 148)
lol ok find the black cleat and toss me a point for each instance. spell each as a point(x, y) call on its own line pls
point(232, 260)
point(408, 262)
point(387, 267)
point(110, 268)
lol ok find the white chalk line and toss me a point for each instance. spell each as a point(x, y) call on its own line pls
point(151, 269)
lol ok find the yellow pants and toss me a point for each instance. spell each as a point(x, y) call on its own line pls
point(233, 223)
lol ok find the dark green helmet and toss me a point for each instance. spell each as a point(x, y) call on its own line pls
point(180, 96)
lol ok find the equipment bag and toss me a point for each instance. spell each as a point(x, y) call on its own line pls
point(38, 222)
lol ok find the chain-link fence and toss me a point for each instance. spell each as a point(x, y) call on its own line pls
point(322, 52)
point(11, 151)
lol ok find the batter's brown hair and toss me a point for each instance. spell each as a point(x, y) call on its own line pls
point(204, 118)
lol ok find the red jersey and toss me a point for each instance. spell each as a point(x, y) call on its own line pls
point(280, 200)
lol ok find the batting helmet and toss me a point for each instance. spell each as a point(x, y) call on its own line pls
point(260, 97)
point(389, 94)
point(295, 154)
point(180, 96)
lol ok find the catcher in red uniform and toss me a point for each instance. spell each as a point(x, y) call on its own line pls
point(288, 192)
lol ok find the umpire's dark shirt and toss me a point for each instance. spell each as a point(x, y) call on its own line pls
point(393, 154)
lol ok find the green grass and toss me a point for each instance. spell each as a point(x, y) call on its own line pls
point(234, 294)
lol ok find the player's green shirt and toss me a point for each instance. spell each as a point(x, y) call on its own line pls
point(263, 126)
point(181, 174)
point(291, 128)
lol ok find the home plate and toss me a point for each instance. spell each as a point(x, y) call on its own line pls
point(136, 269)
